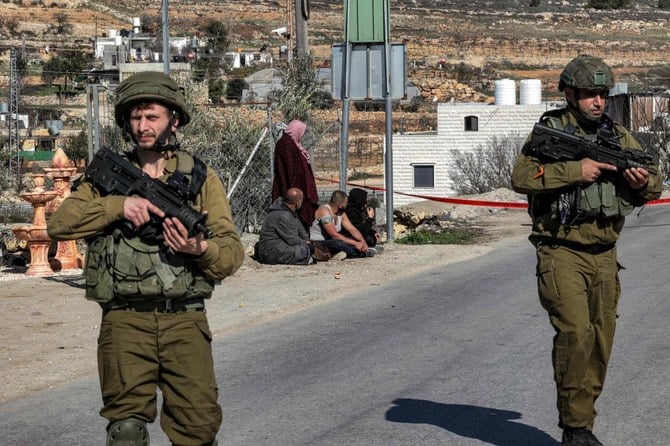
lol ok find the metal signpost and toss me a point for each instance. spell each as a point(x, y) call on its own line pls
point(380, 74)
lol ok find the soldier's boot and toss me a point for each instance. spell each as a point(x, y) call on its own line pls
point(579, 437)
point(129, 432)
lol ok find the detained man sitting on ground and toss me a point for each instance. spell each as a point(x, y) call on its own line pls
point(283, 238)
point(330, 219)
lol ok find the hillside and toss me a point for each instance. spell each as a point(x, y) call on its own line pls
point(495, 38)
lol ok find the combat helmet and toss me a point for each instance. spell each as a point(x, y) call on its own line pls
point(587, 73)
point(149, 86)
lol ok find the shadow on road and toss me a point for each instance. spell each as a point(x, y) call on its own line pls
point(493, 426)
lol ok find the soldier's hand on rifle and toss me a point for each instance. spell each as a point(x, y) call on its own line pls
point(637, 177)
point(137, 210)
point(591, 170)
point(176, 237)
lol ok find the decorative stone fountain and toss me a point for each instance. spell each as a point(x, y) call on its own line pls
point(67, 254)
point(36, 234)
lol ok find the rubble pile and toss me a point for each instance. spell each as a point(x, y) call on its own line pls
point(437, 216)
point(442, 90)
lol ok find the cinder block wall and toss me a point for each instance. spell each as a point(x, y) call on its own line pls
point(436, 148)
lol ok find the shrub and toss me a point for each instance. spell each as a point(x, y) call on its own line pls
point(487, 167)
point(609, 4)
point(235, 88)
point(76, 147)
point(664, 4)
point(455, 236)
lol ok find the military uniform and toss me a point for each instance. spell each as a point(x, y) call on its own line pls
point(154, 330)
point(575, 228)
point(146, 338)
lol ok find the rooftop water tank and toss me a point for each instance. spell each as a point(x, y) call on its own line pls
point(136, 21)
point(505, 92)
point(530, 92)
point(111, 33)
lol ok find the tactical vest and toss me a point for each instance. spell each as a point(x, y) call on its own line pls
point(123, 266)
point(605, 198)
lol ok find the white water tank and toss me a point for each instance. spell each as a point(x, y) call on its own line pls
point(530, 92)
point(111, 33)
point(136, 21)
point(505, 92)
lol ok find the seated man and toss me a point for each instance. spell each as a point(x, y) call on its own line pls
point(283, 238)
point(329, 222)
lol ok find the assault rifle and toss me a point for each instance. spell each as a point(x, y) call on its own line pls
point(114, 174)
point(551, 145)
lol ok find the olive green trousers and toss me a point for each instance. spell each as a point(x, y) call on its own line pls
point(580, 292)
point(139, 352)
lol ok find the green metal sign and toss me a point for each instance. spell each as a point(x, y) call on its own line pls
point(366, 20)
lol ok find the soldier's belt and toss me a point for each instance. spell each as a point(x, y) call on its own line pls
point(158, 306)
point(596, 248)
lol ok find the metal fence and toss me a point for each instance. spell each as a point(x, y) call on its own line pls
point(247, 173)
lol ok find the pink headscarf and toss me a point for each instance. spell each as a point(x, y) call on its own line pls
point(296, 130)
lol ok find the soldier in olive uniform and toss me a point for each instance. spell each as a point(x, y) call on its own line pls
point(152, 278)
point(578, 210)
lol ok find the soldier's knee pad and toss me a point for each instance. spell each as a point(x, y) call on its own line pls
point(129, 432)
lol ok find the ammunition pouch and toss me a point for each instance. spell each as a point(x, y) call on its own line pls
point(127, 268)
point(604, 199)
point(598, 200)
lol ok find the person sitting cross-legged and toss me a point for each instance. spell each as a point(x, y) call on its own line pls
point(283, 238)
point(330, 219)
point(362, 215)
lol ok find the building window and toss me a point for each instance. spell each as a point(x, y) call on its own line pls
point(113, 60)
point(424, 175)
point(471, 124)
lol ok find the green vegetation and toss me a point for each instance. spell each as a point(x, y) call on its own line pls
point(609, 4)
point(69, 63)
point(210, 63)
point(76, 147)
point(298, 96)
point(452, 236)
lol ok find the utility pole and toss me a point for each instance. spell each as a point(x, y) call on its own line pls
point(166, 39)
point(13, 117)
point(301, 17)
point(291, 34)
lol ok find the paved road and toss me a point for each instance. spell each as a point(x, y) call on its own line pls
point(459, 355)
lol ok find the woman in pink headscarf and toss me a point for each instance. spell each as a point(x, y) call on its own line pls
point(292, 168)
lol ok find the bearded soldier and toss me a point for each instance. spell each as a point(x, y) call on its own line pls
point(578, 210)
point(151, 276)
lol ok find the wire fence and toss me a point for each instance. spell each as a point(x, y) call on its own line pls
point(246, 171)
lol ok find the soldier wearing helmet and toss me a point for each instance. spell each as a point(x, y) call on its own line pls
point(578, 210)
point(151, 277)
point(148, 89)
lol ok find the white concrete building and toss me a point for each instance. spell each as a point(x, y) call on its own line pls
point(422, 162)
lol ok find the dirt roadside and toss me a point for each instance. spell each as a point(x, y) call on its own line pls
point(49, 330)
